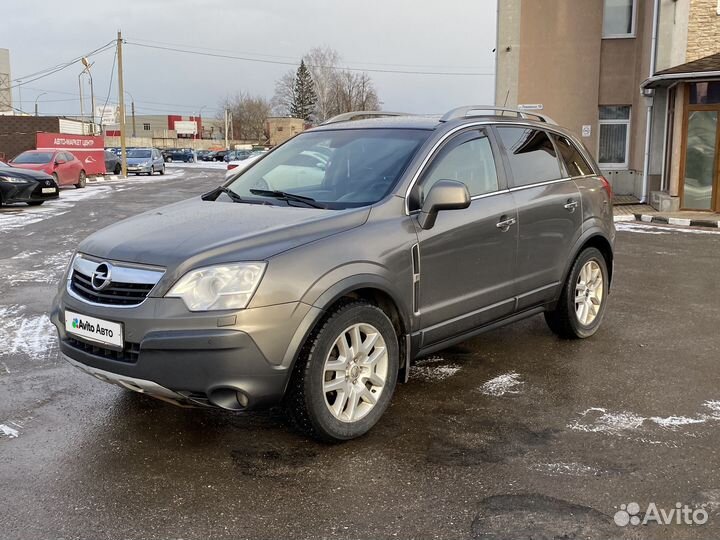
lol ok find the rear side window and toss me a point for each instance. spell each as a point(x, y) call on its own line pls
point(470, 161)
point(531, 154)
point(575, 163)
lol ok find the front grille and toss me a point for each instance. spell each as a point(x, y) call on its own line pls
point(117, 294)
point(129, 354)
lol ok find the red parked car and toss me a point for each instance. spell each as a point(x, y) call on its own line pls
point(64, 167)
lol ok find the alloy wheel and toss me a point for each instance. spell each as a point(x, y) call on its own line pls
point(355, 372)
point(589, 293)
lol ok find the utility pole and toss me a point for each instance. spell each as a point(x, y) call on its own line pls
point(132, 105)
point(82, 112)
point(121, 94)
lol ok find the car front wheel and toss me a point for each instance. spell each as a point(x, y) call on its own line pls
point(581, 307)
point(346, 374)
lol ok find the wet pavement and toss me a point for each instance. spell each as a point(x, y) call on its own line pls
point(512, 434)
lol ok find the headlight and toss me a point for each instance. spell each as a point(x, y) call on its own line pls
point(13, 180)
point(225, 286)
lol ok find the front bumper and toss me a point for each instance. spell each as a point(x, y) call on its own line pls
point(233, 360)
point(139, 169)
point(31, 192)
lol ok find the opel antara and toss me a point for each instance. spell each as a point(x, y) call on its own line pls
point(314, 277)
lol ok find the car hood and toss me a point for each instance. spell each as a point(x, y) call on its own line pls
point(138, 160)
point(30, 166)
point(197, 233)
point(25, 174)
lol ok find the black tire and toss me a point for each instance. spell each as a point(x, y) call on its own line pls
point(563, 320)
point(34, 203)
point(82, 180)
point(118, 169)
point(162, 171)
point(305, 399)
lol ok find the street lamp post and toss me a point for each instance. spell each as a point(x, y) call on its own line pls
point(200, 128)
point(88, 65)
point(132, 109)
point(36, 102)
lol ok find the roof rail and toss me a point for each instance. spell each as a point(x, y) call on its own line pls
point(463, 112)
point(359, 115)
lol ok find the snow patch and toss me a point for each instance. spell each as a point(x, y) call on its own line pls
point(570, 469)
point(9, 432)
point(601, 421)
point(659, 229)
point(32, 336)
point(428, 369)
point(672, 422)
point(509, 383)
point(26, 254)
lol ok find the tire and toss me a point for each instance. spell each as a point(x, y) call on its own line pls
point(118, 169)
point(34, 203)
point(152, 171)
point(162, 171)
point(566, 320)
point(82, 180)
point(308, 402)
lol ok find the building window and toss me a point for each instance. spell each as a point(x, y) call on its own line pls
point(619, 18)
point(614, 145)
point(146, 127)
point(705, 93)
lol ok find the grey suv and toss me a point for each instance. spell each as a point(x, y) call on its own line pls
point(315, 283)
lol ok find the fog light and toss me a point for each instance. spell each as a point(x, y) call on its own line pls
point(242, 399)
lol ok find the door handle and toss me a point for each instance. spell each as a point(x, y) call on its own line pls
point(505, 223)
point(571, 205)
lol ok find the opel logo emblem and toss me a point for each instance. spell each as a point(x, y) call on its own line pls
point(101, 277)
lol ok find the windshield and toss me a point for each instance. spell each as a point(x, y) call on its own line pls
point(338, 169)
point(34, 158)
point(138, 153)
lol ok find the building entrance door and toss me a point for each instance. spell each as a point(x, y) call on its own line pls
point(701, 167)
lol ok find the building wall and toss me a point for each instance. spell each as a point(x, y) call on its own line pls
point(703, 37)
point(672, 33)
point(280, 129)
point(507, 53)
point(17, 133)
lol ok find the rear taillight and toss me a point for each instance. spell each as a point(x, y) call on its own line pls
point(606, 186)
point(231, 166)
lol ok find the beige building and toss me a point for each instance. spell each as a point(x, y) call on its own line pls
point(582, 62)
point(281, 128)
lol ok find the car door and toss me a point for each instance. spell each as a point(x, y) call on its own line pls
point(467, 259)
point(549, 212)
point(63, 168)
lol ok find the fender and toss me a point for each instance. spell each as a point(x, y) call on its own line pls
point(328, 298)
point(590, 231)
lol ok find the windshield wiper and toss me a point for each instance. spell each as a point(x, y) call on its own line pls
point(213, 195)
point(285, 196)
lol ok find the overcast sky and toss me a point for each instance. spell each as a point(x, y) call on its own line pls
point(409, 35)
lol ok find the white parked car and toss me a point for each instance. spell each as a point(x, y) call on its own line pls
point(238, 166)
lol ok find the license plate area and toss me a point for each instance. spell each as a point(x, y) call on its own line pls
point(49, 190)
point(95, 330)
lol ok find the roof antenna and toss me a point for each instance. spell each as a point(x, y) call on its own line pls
point(506, 100)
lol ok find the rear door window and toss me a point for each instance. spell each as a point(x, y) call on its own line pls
point(575, 163)
point(531, 154)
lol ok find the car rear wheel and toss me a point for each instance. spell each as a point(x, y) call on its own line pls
point(581, 307)
point(82, 180)
point(162, 170)
point(345, 376)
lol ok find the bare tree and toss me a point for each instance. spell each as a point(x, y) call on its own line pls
point(284, 92)
point(323, 63)
point(249, 116)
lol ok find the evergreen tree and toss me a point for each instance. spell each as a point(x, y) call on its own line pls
point(304, 96)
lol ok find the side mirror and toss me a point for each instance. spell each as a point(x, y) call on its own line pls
point(443, 195)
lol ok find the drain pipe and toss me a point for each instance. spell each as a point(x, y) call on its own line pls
point(648, 120)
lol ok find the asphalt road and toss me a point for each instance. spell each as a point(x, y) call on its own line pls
point(512, 434)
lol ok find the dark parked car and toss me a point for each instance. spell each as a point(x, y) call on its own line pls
point(113, 164)
point(186, 155)
point(220, 155)
point(318, 290)
point(23, 185)
point(200, 154)
point(237, 155)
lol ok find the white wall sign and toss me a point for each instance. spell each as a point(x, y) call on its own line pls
point(586, 130)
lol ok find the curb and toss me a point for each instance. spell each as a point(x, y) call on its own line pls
point(647, 218)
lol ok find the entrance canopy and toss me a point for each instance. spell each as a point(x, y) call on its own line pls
point(707, 68)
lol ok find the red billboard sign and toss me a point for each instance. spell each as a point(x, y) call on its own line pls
point(90, 150)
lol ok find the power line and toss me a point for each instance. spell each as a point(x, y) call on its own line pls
point(295, 64)
point(22, 81)
point(293, 59)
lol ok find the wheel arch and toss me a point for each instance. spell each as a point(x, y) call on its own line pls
point(370, 288)
point(593, 238)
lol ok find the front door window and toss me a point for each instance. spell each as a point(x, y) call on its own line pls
point(700, 160)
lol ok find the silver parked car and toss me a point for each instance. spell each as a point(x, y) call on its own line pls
point(145, 161)
point(315, 283)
